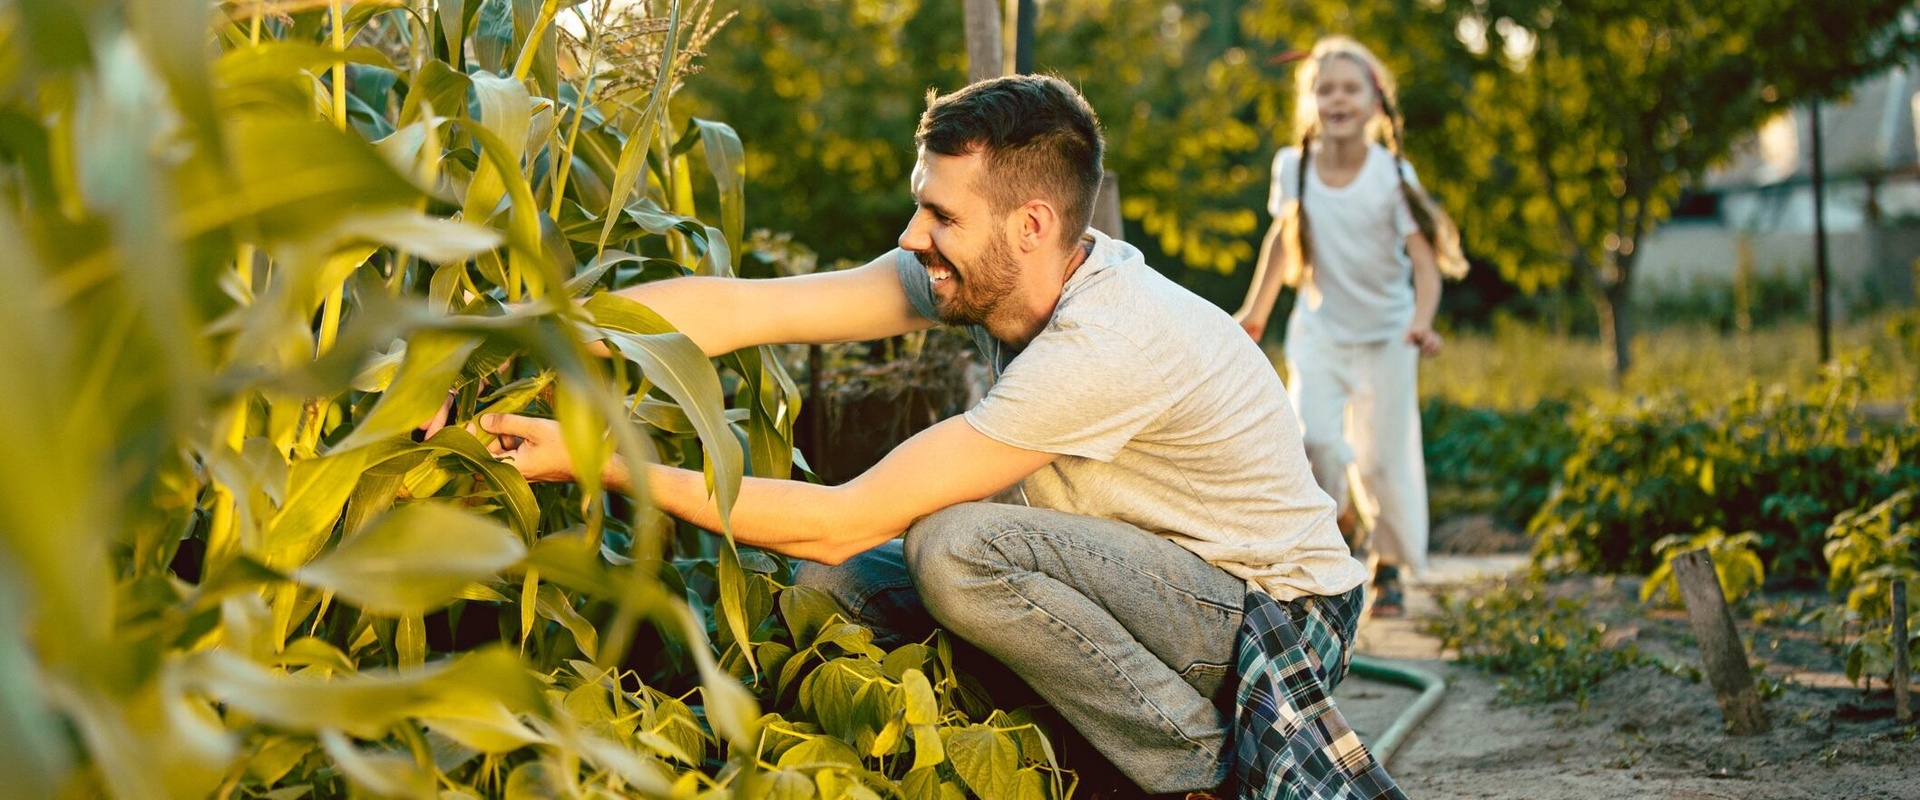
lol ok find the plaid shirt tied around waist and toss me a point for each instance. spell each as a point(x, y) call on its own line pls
point(1289, 742)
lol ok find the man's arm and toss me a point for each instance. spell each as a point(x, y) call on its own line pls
point(946, 464)
point(722, 315)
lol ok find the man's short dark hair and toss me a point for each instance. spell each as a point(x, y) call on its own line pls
point(1039, 137)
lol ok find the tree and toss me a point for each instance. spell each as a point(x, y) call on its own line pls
point(1574, 129)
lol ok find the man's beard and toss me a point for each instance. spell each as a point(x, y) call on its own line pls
point(979, 288)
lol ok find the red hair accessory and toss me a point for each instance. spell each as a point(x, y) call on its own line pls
point(1288, 57)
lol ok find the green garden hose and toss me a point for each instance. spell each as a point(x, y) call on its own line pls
point(1431, 686)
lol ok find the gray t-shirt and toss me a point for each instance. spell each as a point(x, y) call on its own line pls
point(1164, 415)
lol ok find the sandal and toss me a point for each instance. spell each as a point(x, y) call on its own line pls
point(1390, 599)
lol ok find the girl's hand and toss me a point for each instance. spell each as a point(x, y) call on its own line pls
point(1426, 339)
point(1253, 324)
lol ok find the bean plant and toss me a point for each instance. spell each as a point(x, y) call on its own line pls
point(248, 248)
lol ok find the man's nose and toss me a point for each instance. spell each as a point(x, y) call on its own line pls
point(915, 236)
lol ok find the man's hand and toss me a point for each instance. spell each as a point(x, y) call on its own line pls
point(532, 445)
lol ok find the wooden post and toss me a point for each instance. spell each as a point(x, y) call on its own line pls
point(984, 45)
point(1725, 658)
point(1902, 711)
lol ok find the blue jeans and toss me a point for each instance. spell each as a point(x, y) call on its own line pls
point(1124, 633)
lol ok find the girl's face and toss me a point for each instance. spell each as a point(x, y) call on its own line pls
point(1344, 98)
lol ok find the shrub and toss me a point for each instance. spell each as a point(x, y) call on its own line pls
point(1497, 462)
point(1545, 648)
point(1764, 461)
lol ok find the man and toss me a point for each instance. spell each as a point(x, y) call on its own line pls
point(1161, 464)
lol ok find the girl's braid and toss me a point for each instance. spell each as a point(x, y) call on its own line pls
point(1433, 222)
point(1301, 265)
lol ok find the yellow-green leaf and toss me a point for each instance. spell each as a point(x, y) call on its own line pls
point(415, 559)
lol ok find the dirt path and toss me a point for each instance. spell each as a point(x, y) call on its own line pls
point(1644, 734)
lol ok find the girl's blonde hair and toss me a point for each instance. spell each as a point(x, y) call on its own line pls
point(1434, 224)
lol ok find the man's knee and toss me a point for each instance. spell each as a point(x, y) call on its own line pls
point(939, 537)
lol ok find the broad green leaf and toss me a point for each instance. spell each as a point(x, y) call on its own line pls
point(727, 160)
point(379, 771)
point(889, 738)
point(787, 784)
point(929, 750)
point(807, 611)
point(437, 88)
point(523, 512)
point(675, 364)
point(556, 606)
point(820, 751)
point(572, 561)
point(910, 656)
point(365, 704)
point(986, 759)
point(505, 108)
point(415, 559)
point(317, 489)
point(646, 776)
point(274, 61)
point(527, 258)
point(922, 707)
point(433, 361)
point(733, 592)
point(584, 431)
point(292, 177)
point(435, 239)
point(925, 783)
point(486, 727)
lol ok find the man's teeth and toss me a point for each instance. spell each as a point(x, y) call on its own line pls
point(938, 274)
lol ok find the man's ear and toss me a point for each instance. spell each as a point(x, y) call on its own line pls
point(1039, 223)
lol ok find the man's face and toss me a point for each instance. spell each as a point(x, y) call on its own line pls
point(960, 241)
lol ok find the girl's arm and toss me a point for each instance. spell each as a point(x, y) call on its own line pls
point(1265, 289)
point(1426, 295)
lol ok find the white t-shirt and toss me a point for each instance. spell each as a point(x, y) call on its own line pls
point(1165, 416)
point(1361, 287)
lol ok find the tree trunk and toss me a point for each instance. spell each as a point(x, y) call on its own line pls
point(985, 49)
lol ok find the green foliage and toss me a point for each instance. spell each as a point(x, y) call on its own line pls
point(243, 263)
point(1869, 548)
point(1545, 648)
point(826, 97)
point(1560, 136)
point(1736, 567)
point(1498, 462)
point(1762, 461)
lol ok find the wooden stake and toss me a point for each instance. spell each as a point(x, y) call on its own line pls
point(1902, 711)
point(1725, 658)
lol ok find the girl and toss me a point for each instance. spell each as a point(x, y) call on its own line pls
point(1365, 248)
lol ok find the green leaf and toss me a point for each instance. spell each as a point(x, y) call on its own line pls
point(524, 512)
point(675, 364)
point(433, 361)
point(820, 751)
point(292, 177)
point(640, 137)
point(929, 750)
point(789, 784)
point(365, 704)
point(415, 559)
point(986, 759)
point(727, 160)
point(807, 611)
point(922, 707)
point(486, 727)
point(556, 606)
point(381, 772)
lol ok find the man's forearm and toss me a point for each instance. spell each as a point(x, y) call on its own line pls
point(794, 518)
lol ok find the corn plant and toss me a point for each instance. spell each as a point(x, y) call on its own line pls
point(249, 248)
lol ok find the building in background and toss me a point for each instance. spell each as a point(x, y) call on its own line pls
point(1752, 220)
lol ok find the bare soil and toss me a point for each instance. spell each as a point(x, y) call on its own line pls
point(1645, 733)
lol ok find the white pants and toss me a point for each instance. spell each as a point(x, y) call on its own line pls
point(1360, 412)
